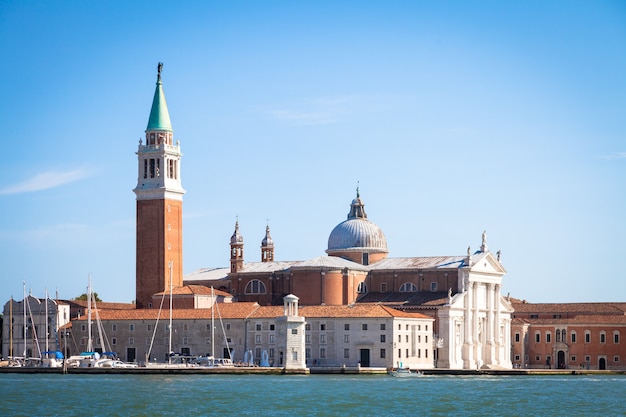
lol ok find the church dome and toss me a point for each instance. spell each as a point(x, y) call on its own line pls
point(357, 233)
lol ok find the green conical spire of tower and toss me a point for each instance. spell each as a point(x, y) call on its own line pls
point(159, 116)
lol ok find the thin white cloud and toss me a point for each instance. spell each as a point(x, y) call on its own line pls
point(304, 118)
point(45, 181)
point(318, 111)
point(616, 155)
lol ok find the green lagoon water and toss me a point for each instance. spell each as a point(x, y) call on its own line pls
point(312, 395)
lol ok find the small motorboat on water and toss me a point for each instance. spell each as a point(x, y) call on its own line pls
point(404, 373)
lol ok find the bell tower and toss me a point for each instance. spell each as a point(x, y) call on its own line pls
point(159, 205)
point(236, 250)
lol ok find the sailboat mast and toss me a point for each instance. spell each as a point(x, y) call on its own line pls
point(89, 340)
point(11, 327)
point(24, 305)
point(47, 329)
point(170, 338)
point(212, 323)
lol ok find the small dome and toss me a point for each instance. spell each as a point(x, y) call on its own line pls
point(357, 232)
point(267, 240)
point(236, 238)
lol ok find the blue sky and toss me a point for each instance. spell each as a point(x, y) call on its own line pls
point(453, 118)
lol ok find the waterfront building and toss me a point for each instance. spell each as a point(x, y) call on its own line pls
point(33, 326)
point(569, 336)
point(462, 293)
point(365, 335)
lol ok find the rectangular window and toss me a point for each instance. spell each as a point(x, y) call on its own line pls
point(346, 353)
point(382, 338)
point(364, 326)
point(346, 326)
point(383, 353)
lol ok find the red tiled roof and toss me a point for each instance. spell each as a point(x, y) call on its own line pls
point(196, 290)
point(569, 308)
point(353, 311)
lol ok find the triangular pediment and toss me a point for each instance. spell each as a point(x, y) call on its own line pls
point(486, 263)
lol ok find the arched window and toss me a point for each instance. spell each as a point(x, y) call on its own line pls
point(408, 287)
point(361, 288)
point(255, 287)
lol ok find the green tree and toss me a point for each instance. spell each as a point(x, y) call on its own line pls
point(83, 297)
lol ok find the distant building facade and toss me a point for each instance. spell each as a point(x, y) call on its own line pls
point(365, 335)
point(33, 326)
point(569, 336)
